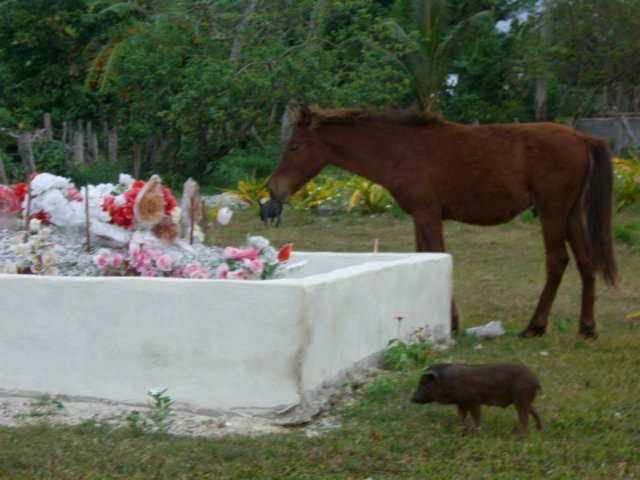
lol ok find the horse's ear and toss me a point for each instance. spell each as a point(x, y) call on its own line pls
point(305, 117)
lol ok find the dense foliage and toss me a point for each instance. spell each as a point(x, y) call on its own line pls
point(202, 88)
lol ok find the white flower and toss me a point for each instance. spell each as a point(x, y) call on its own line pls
point(46, 181)
point(175, 215)
point(34, 225)
point(257, 241)
point(120, 200)
point(48, 259)
point(17, 249)
point(100, 191)
point(224, 216)
point(125, 180)
point(270, 256)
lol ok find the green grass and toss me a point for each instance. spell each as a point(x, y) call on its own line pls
point(589, 400)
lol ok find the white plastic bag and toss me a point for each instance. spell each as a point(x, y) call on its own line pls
point(490, 330)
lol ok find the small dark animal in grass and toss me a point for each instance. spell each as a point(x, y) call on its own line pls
point(469, 386)
point(270, 212)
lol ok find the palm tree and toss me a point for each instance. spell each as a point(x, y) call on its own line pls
point(426, 54)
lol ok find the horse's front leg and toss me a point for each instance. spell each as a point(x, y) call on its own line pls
point(429, 238)
point(556, 263)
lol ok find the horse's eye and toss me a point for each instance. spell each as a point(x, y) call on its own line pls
point(294, 147)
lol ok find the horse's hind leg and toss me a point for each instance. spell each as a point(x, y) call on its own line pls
point(553, 229)
point(577, 235)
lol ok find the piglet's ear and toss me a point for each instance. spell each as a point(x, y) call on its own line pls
point(432, 374)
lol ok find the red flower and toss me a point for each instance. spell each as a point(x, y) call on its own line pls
point(124, 215)
point(44, 217)
point(285, 252)
point(20, 189)
point(9, 201)
point(169, 200)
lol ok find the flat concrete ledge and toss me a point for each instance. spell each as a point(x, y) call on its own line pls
point(216, 344)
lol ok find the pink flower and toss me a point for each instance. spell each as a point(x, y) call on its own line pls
point(246, 253)
point(101, 261)
point(164, 262)
point(194, 267)
point(201, 276)
point(238, 274)
point(222, 270)
point(117, 260)
point(74, 194)
point(230, 252)
point(139, 259)
point(147, 273)
point(254, 266)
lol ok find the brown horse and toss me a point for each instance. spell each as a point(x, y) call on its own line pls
point(481, 175)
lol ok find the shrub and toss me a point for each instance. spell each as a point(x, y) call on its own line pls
point(366, 196)
point(627, 180)
point(320, 191)
point(251, 190)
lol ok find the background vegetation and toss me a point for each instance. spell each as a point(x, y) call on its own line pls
point(201, 88)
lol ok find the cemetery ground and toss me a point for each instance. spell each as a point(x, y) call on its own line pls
point(589, 400)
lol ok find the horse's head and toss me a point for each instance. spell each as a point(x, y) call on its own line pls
point(303, 157)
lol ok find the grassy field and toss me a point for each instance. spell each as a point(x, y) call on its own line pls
point(590, 399)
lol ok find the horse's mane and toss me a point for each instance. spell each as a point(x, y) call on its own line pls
point(315, 117)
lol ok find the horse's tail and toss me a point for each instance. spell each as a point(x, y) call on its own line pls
point(598, 201)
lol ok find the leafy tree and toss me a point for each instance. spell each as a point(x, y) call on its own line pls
point(425, 53)
point(592, 44)
point(40, 47)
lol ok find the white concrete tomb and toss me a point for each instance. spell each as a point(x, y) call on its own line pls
point(215, 344)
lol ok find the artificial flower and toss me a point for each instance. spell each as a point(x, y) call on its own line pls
point(224, 216)
point(9, 205)
point(285, 252)
point(148, 206)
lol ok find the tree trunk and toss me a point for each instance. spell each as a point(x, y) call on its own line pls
point(137, 158)
point(25, 150)
point(78, 145)
point(47, 127)
point(542, 107)
point(240, 29)
point(87, 146)
point(65, 133)
point(93, 147)
point(113, 143)
point(152, 150)
point(92, 144)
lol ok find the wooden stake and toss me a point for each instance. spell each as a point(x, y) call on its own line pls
point(204, 225)
point(192, 219)
point(86, 213)
point(28, 210)
point(375, 246)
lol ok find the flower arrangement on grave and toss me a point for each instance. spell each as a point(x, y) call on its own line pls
point(34, 255)
point(53, 199)
point(258, 260)
point(140, 222)
point(136, 200)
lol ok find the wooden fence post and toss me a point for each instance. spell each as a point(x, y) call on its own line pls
point(3, 174)
point(25, 150)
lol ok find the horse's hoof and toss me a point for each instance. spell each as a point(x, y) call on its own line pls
point(531, 332)
point(588, 333)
